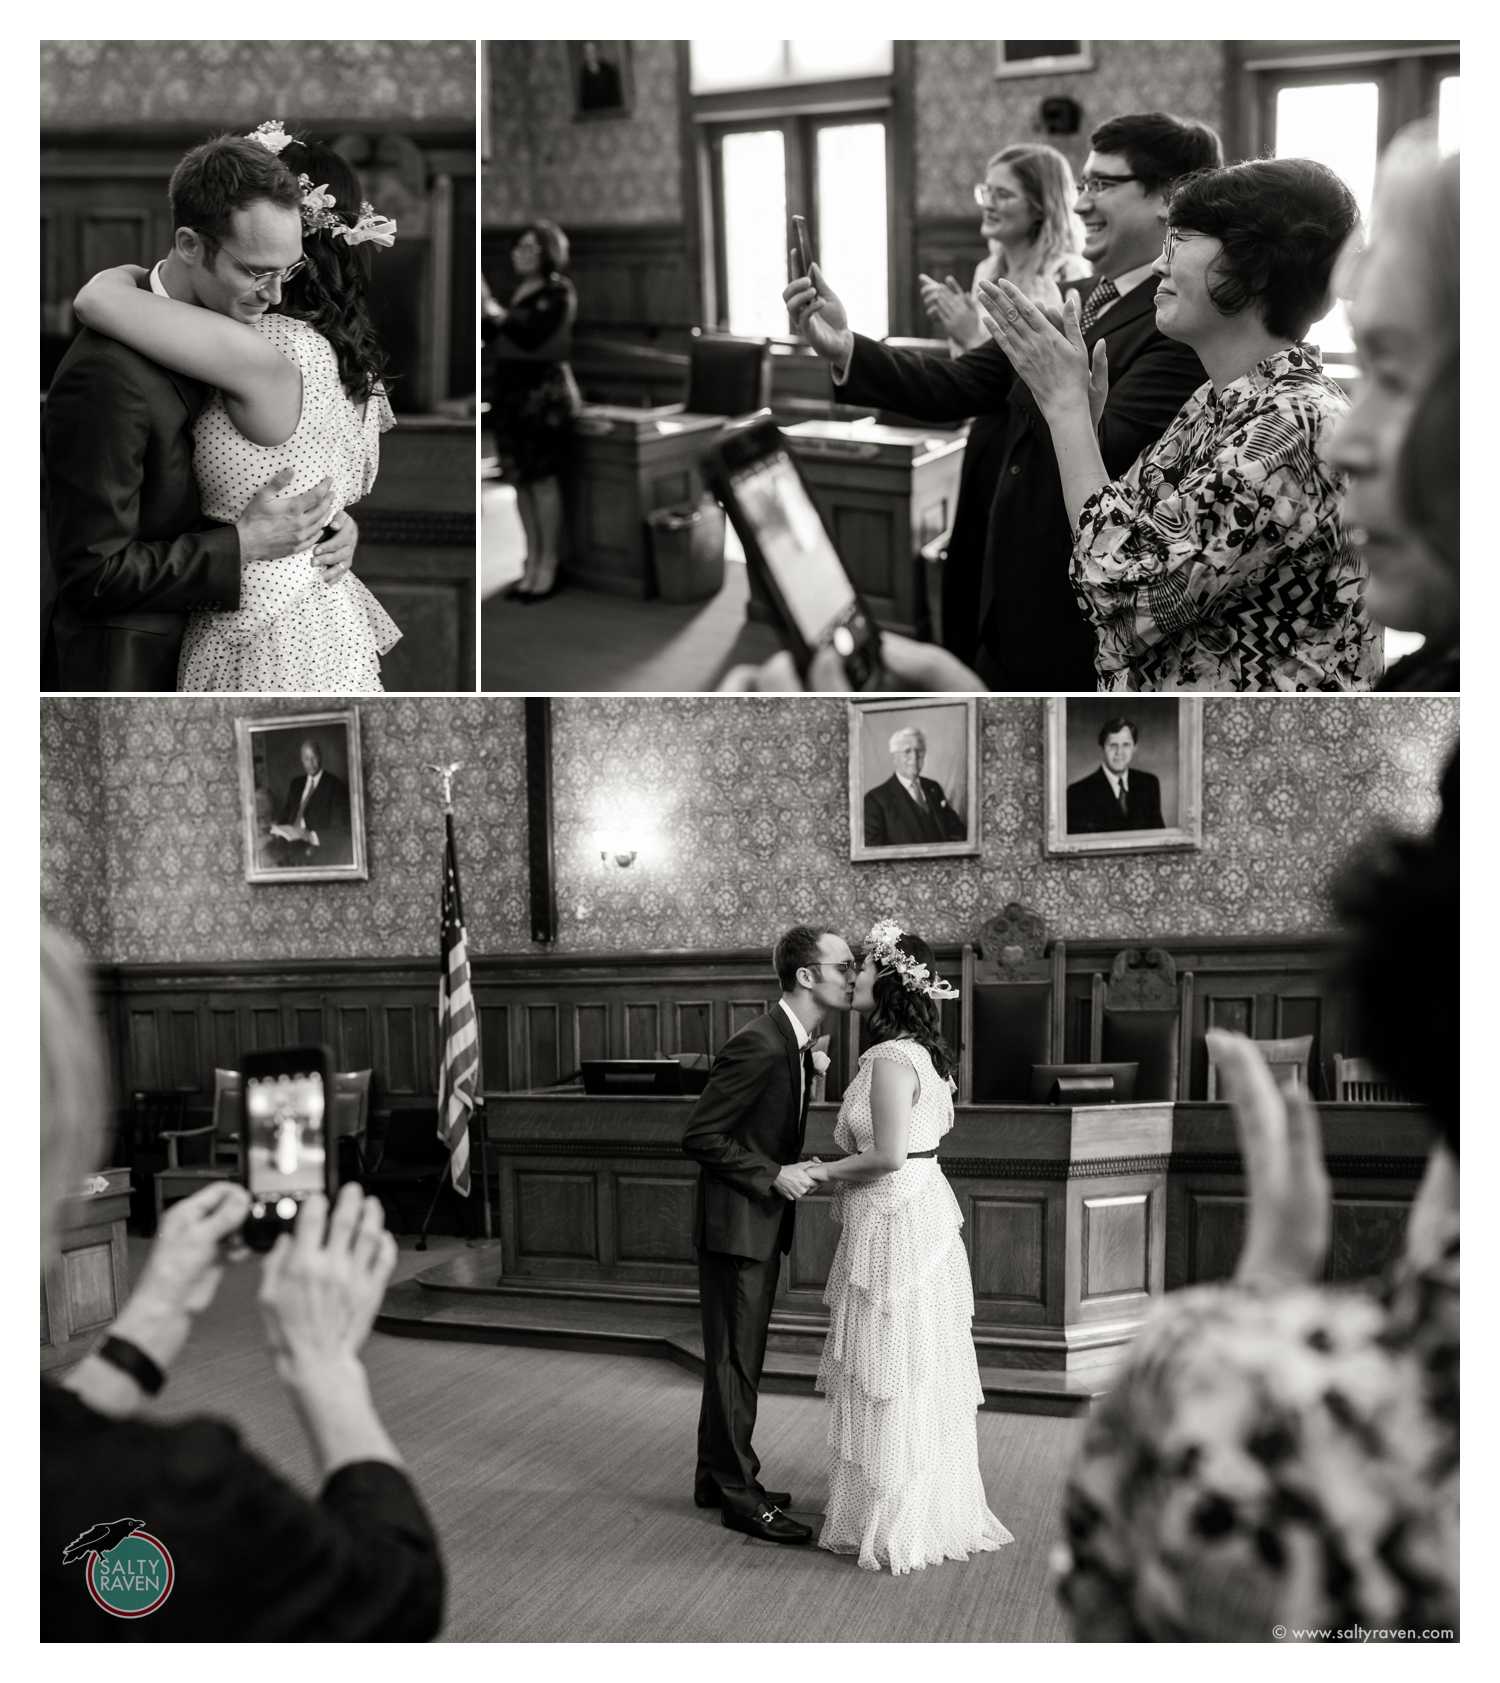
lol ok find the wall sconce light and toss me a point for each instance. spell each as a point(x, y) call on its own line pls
point(616, 845)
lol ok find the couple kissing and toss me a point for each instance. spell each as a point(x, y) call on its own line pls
point(898, 1365)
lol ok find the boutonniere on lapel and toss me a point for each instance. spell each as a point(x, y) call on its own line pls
point(821, 1062)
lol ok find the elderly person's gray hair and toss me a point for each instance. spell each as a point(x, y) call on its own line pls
point(74, 1085)
point(918, 736)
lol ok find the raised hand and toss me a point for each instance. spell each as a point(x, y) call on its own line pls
point(951, 309)
point(1286, 1235)
point(818, 314)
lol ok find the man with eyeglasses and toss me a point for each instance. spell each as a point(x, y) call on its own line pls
point(1032, 634)
point(131, 551)
point(746, 1136)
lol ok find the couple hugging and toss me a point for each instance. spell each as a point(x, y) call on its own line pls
point(898, 1367)
point(206, 431)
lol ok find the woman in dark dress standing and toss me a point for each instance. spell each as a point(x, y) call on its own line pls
point(537, 397)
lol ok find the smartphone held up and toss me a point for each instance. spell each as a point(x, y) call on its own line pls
point(287, 1152)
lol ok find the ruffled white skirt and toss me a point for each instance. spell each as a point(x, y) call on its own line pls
point(291, 632)
point(902, 1380)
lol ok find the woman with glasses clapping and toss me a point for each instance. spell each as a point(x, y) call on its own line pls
point(1218, 560)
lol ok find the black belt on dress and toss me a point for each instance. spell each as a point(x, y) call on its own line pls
point(932, 1153)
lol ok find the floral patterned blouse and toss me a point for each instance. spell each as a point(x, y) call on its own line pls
point(1219, 561)
point(1275, 1462)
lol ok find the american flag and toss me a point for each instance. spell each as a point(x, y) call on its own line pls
point(458, 1075)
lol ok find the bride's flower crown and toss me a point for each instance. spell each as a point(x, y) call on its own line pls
point(318, 214)
point(881, 943)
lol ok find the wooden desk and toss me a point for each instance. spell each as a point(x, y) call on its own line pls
point(1075, 1219)
point(627, 463)
point(85, 1287)
point(883, 492)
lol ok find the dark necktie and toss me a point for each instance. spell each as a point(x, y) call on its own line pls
point(1097, 302)
point(1124, 803)
point(807, 1080)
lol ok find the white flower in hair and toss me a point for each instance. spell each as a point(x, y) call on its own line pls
point(272, 136)
point(371, 229)
point(883, 943)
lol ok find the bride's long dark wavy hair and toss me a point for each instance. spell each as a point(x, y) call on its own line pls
point(901, 1014)
point(329, 294)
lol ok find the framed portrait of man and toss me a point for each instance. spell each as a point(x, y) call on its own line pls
point(302, 797)
point(1124, 775)
point(602, 83)
point(1041, 58)
point(913, 779)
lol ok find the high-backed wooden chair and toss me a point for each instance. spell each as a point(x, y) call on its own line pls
point(217, 1158)
point(1289, 1061)
point(1142, 1014)
point(727, 374)
point(1358, 1081)
point(1011, 1009)
point(351, 1117)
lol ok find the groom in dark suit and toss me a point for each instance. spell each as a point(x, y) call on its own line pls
point(1032, 635)
point(746, 1135)
point(131, 551)
point(1115, 796)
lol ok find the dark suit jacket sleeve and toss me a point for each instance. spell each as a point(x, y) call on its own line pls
point(1151, 788)
point(97, 430)
point(931, 388)
point(875, 835)
point(1143, 403)
point(740, 1071)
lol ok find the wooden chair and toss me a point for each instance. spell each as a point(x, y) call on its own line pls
point(1357, 1081)
point(727, 374)
point(1289, 1061)
point(1010, 1014)
point(351, 1118)
point(1141, 1014)
point(221, 1135)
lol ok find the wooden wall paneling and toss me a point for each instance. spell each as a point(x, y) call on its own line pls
point(1367, 1231)
point(353, 1040)
point(556, 1218)
point(184, 1063)
point(495, 1044)
point(591, 1030)
point(144, 1064)
point(303, 1019)
point(653, 1219)
point(398, 1032)
point(227, 1034)
point(1116, 1246)
point(1005, 1228)
point(1297, 1014)
point(265, 1028)
point(545, 1051)
point(692, 1026)
point(642, 1029)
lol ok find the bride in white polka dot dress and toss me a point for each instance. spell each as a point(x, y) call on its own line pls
point(898, 1366)
point(291, 631)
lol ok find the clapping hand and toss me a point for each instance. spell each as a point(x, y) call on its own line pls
point(951, 309)
point(1286, 1236)
point(1047, 352)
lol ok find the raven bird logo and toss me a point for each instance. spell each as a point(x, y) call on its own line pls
point(101, 1538)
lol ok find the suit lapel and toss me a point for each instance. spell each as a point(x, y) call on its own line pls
point(192, 392)
point(793, 1060)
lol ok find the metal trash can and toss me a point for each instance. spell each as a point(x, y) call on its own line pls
point(687, 551)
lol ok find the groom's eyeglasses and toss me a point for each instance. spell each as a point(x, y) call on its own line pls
point(268, 277)
point(847, 968)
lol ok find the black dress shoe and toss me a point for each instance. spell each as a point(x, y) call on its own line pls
point(769, 1524)
point(541, 595)
point(771, 1498)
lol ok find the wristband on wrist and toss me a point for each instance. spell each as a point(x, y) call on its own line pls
point(132, 1360)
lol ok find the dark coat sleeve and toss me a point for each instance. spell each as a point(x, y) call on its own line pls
point(96, 434)
point(1150, 784)
point(1145, 400)
point(739, 1076)
point(931, 388)
point(538, 318)
point(875, 835)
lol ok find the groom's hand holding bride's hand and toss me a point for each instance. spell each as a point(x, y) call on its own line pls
point(271, 526)
point(793, 1181)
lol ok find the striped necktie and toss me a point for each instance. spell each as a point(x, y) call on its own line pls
point(1097, 302)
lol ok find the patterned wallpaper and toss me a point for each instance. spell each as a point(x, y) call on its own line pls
point(541, 162)
point(739, 807)
point(89, 84)
point(963, 114)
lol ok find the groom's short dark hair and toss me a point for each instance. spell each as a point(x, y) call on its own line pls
point(797, 947)
point(222, 176)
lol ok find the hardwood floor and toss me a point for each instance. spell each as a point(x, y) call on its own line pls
point(560, 1481)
